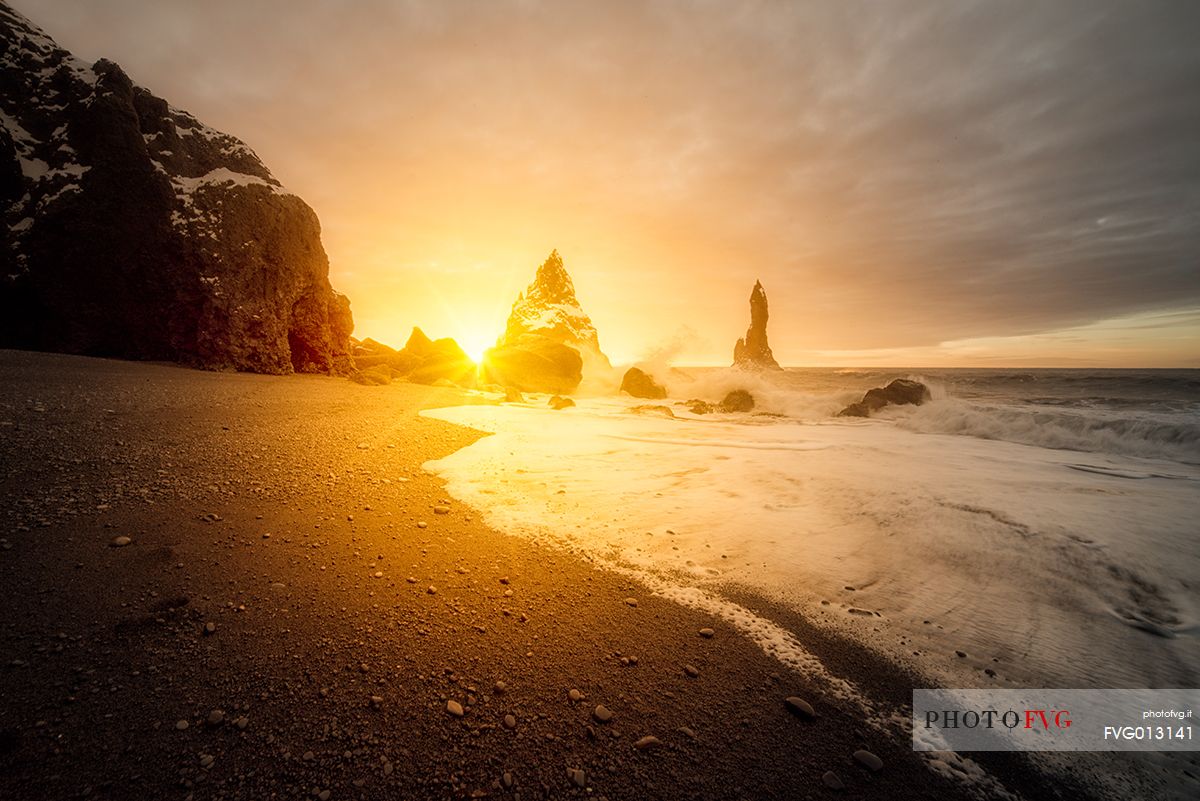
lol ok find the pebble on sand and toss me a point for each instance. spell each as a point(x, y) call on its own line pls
point(800, 708)
point(691, 670)
point(121, 542)
point(574, 695)
point(216, 717)
point(499, 688)
point(441, 510)
point(832, 780)
point(631, 602)
point(421, 524)
point(868, 760)
point(210, 627)
point(454, 708)
point(577, 777)
point(602, 713)
point(510, 722)
point(181, 725)
point(707, 633)
point(649, 741)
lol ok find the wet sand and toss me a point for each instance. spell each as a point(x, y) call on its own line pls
point(293, 614)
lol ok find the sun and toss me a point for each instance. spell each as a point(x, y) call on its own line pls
point(475, 343)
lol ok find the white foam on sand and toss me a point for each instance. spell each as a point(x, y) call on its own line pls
point(1046, 567)
point(918, 545)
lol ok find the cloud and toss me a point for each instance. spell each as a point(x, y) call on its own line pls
point(898, 175)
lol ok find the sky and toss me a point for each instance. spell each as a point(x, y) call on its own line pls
point(917, 183)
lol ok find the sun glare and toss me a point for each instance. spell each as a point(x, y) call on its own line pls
point(474, 343)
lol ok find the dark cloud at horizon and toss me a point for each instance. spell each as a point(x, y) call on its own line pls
point(939, 170)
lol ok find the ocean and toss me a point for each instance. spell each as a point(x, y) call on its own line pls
point(1027, 528)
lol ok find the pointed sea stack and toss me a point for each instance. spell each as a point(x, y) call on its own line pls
point(131, 229)
point(549, 340)
point(753, 350)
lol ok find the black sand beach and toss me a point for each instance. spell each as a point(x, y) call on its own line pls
point(298, 604)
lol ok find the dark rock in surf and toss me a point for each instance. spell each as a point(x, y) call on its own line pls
point(737, 401)
point(753, 350)
point(640, 384)
point(653, 411)
point(901, 392)
point(697, 406)
point(558, 403)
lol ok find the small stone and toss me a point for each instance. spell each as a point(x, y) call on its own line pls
point(868, 760)
point(602, 714)
point(242, 723)
point(422, 524)
point(378, 574)
point(210, 627)
point(510, 722)
point(121, 542)
point(388, 768)
point(832, 780)
point(432, 590)
point(691, 671)
point(206, 760)
point(323, 795)
point(688, 732)
point(631, 602)
point(454, 708)
point(216, 718)
point(961, 654)
point(707, 633)
point(376, 701)
point(441, 510)
point(800, 708)
point(499, 688)
point(309, 756)
point(575, 695)
point(507, 780)
point(649, 741)
point(577, 777)
point(181, 725)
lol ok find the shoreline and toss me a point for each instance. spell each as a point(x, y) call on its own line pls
point(332, 671)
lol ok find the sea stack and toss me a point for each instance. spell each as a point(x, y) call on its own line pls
point(753, 350)
point(549, 341)
point(132, 230)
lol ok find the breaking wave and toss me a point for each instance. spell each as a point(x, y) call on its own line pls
point(1176, 438)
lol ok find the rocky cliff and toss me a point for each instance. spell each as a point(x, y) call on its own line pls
point(753, 350)
point(131, 229)
point(549, 341)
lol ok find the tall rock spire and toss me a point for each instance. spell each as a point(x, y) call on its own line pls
point(549, 342)
point(753, 350)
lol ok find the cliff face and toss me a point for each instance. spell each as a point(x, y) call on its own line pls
point(133, 230)
point(549, 341)
point(753, 350)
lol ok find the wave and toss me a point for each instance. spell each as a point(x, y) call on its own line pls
point(1176, 437)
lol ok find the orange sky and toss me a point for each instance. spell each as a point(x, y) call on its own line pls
point(914, 184)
